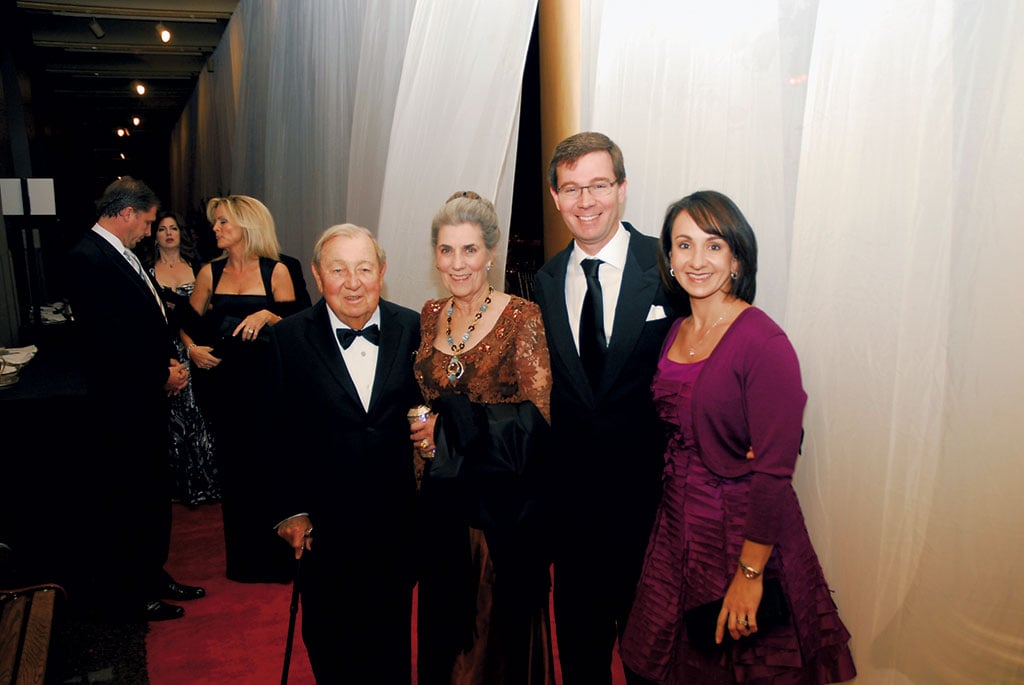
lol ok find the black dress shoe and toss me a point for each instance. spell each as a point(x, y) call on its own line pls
point(181, 593)
point(162, 611)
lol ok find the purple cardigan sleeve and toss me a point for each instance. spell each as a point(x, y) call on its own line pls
point(775, 400)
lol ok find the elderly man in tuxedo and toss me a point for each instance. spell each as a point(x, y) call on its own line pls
point(130, 369)
point(344, 382)
point(606, 316)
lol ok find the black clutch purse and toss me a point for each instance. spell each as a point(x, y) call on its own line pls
point(701, 621)
point(228, 346)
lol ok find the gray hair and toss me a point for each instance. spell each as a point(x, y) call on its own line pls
point(467, 207)
point(346, 231)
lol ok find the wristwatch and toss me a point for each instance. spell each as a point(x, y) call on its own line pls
point(749, 571)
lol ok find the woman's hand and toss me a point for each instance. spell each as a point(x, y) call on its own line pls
point(251, 325)
point(422, 434)
point(739, 609)
point(202, 356)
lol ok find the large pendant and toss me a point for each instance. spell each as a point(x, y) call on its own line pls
point(455, 369)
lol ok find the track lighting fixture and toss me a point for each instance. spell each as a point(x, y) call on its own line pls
point(163, 32)
point(140, 89)
point(96, 29)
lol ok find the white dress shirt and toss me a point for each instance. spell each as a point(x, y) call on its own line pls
point(610, 274)
point(360, 357)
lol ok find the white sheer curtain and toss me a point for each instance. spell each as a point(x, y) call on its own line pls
point(455, 128)
point(695, 94)
point(385, 35)
point(877, 149)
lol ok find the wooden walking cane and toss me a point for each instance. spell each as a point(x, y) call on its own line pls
point(293, 610)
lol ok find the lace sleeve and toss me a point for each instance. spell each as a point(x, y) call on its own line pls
point(533, 364)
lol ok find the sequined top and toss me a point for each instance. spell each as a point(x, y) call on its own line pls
point(510, 364)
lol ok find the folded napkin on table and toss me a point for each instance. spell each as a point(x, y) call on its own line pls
point(18, 355)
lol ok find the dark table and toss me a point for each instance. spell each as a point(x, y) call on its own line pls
point(44, 474)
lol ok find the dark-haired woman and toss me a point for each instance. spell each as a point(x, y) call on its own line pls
point(172, 262)
point(729, 526)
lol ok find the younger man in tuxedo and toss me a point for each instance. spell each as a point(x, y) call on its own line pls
point(344, 374)
point(604, 331)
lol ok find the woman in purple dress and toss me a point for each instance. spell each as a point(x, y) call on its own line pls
point(729, 526)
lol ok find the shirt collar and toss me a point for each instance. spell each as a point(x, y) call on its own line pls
point(114, 241)
point(614, 253)
point(338, 323)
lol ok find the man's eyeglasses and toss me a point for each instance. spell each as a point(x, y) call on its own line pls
point(599, 189)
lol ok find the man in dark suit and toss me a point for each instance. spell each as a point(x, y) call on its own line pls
point(608, 442)
point(130, 370)
point(344, 382)
point(302, 299)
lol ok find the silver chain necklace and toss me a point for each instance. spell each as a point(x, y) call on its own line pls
point(693, 348)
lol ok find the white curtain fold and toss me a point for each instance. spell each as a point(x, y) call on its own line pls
point(695, 100)
point(877, 149)
point(385, 34)
point(310, 98)
point(455, 128)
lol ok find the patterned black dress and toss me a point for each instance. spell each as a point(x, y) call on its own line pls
point(191, 445)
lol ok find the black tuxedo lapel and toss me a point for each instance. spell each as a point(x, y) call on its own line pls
point(322, 340)
point(640, 281)
point(552, 281)
point(391, 334)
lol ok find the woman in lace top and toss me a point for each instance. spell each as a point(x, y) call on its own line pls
point(480, 621)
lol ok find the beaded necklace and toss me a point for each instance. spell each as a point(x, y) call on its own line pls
point(455, 367)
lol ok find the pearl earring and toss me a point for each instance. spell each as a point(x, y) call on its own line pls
point(488, 267)
point(672, 273)
point(733, 274)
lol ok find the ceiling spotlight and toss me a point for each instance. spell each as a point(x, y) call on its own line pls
point(140, 89)
point(165, 35)
point(96, 29)
point(136, 121)
point(122, 132)
point(122, 156)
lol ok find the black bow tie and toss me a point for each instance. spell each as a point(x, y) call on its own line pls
point(347, 335)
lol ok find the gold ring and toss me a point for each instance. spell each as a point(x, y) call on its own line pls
point(743, 622)
point(424, 443)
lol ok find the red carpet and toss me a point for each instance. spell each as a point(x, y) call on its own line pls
point(237, 633)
